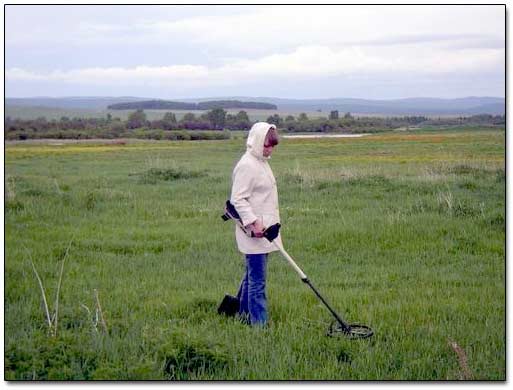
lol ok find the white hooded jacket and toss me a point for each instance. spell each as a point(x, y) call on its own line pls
point(254, 192)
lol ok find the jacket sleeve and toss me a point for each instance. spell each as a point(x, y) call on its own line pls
point(242, 188)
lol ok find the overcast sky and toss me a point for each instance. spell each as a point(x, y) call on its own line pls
point(299, 51)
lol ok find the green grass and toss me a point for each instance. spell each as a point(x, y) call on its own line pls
point(404, 232)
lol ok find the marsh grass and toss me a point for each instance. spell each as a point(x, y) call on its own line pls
point(158, 169)
point(404, 233)
point(52, 320)
point(154, 175)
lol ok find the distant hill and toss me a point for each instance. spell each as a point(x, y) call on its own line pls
point(153, 105)
point(410, 106)
point(207, 105)
point(227, 104)
point(84, 102)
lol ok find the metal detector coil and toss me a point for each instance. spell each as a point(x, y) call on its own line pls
point(337, 327)
point(352, 331)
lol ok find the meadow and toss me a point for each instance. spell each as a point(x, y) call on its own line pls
point(402, 231)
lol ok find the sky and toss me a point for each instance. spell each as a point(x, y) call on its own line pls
point(288, 51)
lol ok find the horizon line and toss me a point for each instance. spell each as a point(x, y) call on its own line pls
point(240, 96)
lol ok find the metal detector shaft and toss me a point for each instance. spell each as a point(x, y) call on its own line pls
point(291, 262)
point(305, 280)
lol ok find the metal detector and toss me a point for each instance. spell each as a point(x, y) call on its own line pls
point(338, 327)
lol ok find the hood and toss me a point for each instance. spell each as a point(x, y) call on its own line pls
point(256, 139)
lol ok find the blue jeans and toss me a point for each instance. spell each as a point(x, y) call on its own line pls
point(253, 302)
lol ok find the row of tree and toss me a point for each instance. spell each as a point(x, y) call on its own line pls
point(218, 119)
point(215, 119)
point(208, 105)
point(137, 125)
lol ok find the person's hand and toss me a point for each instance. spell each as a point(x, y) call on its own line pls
point(257, 228)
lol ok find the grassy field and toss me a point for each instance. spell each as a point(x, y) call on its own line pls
point(404, 232)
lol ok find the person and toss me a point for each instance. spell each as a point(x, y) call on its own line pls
point(255, 197)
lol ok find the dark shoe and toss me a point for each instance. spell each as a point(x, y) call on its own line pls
point(229, 306)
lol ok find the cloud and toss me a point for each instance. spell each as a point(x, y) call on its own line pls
point(274, 28)
point(439, 40)
point(138, 75)
point(235, 47)
point(307, 62)
point(258, 29)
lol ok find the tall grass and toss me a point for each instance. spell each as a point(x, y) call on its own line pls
point(402, 233)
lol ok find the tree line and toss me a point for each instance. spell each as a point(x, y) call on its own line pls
point(193, 126)
point(208, 105)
